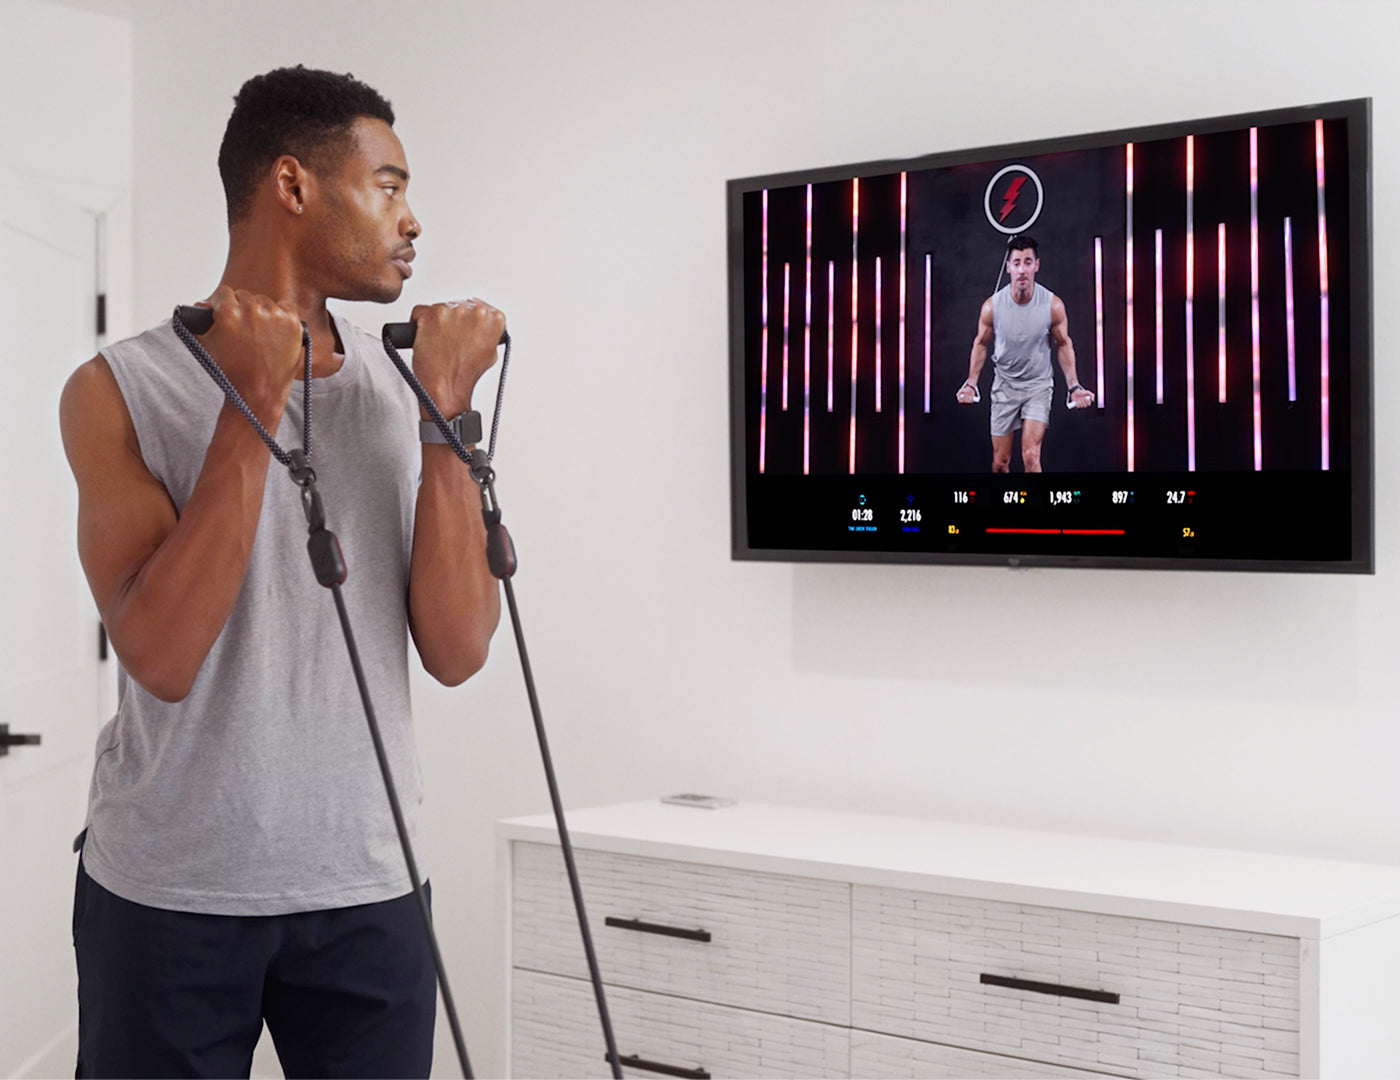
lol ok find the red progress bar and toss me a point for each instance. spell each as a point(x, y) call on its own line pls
point(1062, 532)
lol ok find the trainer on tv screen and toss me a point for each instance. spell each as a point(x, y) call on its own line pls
point(1022, 320)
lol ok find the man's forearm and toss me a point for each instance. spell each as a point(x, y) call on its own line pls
point(453, 600)
point(173, 609)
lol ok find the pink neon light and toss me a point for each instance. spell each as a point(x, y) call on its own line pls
point(1288, 306)
point(855, 326)
point(879, 333)
point(1128, 275)
point(928, 324)
point(903, 286)
point(763, 347)
point(1322, 285)
point(807, 351)
point(1158, 290)
point(830, 335)
point(1220, 279)
point(1190, 304)
point(787, 281)
point(1254, 293)
point(1098, 312)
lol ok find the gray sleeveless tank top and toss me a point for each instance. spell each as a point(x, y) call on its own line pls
point(259, 794)
point(1022, 336)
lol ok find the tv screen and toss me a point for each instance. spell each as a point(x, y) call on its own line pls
point(1146, 348)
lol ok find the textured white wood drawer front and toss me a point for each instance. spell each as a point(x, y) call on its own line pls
point(777, 943)
point(557, 1034)
point(1193, 1001)
point(889, 1057)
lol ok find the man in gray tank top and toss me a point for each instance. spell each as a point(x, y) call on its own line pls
point(240, 864)
point(1022, 320)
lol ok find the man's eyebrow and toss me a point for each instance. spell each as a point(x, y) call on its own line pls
point(393, 170)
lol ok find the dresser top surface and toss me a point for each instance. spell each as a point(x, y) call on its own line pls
point(1250, 891)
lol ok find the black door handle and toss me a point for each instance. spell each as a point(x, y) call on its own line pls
point(7, 740)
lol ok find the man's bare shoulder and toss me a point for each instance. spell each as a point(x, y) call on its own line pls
point(92, 412)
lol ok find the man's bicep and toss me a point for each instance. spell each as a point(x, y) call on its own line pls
point(124, 513)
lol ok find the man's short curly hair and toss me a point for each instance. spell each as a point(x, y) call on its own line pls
point(298, 111)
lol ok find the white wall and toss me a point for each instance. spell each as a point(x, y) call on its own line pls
point(569, 162)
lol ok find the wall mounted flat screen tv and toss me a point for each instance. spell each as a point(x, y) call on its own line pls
point(1144, 348)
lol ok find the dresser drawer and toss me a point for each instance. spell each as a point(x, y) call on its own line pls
point(1160, 999)
point(885, 1056)
point(556, 1033)
point(777, 943)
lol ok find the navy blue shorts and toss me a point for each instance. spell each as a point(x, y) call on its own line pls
point(345, 992)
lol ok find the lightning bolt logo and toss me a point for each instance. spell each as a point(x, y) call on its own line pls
point(1008, 202)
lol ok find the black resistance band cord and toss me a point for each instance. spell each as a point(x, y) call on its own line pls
point(329, 566)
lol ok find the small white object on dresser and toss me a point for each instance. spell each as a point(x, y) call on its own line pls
point(759, 940)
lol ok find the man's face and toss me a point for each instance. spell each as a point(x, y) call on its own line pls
point(1022, 265)
point(362, 238)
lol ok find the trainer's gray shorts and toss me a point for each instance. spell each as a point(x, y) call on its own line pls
point(1014, 402)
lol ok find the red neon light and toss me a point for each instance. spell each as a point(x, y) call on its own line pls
point(903, 284)
point(879, 332)
point(1128, 276)
point(1322, 282)
point(787, 276)
point(1220, 290)
point(1190, 304)
point(1254, 293)
point(807, 350)
point(1098, 312)
point(928, 325)
point(855, 328)
point(763, 347)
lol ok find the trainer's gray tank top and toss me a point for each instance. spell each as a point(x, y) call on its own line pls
point(1022, 336)
point(258, 794)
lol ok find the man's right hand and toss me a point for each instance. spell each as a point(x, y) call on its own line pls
point(257, 342)
point(967, 394)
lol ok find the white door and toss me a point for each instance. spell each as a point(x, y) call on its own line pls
point(51, 682)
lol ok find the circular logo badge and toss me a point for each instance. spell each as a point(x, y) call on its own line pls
point(1010, 204)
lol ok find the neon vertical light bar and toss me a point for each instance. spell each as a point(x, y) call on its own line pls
point(903, 288)
point(830, 335)
point(1098, 312)
point(1322, 287)
point(1190, 303)
point(855, 295)
point(1288, 306)
point(763, 347)
point(807, 350)
point(1254, 292)
point(928, 325)
point(1128, 275)
point(879, 332)
point(1160, 396)
point(1220, 293)
point(787, 281)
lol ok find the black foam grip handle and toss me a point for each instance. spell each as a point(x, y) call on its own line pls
point(197, 319)
point(401, 334)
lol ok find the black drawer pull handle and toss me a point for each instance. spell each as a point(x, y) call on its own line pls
point(657, 928)
point(1050, 988)
point(634, 1062)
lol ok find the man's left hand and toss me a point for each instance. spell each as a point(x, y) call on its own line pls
point(454, 345)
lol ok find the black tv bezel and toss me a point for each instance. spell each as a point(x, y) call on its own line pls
point(1357, 113)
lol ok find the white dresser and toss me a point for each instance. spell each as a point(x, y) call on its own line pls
point(761, 940)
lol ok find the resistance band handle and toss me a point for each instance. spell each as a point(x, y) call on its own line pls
point(197, 320)
point(401, 334)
